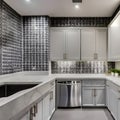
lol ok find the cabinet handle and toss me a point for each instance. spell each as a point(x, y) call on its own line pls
point(31, 113)
point(94, 92)
point(51, 95)
point(95, 56)
point(107, 85)
point(118, 98)
point(64, 56)
point(119, 91)
point(36, 108)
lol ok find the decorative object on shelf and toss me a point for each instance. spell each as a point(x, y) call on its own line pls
point(115, 72)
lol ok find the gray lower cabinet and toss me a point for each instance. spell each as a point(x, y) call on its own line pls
point(100, 96)
point(113, 103)
point(46, 107)
point(42, 109)
point(113, 99)
point(118, 109)
point(93, 96)
point(52, 101)
point(88, 96)
point(93, 92)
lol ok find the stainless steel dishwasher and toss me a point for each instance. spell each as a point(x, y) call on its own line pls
point(68, 93)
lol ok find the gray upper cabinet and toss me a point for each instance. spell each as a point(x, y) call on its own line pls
point(78, 43)
point(101, 44)
point(114, 40)
point(88, 96)
point(73, 44)
point(93, 44)
point(65, 44)
point(87, 44)
point(57, 44)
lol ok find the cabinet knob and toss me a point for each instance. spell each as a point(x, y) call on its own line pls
point(95, 56)
point(118, 98)
point(64, 56)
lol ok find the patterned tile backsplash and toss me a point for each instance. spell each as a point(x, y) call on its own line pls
point(80, 21)
point(36, 43)
point(73, 67)
point(11, 40)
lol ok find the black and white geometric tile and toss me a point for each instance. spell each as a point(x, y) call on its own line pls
point(11, 40)
point(36, 43)
point(80, 21)
point(0, 36)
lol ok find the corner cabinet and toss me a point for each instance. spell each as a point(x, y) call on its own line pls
point(65, 44)
point(94, 44)
point(113, 99)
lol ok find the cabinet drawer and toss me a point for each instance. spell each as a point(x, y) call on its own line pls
point(93, 82)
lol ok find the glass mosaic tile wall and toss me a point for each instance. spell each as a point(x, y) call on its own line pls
point(36, 43)
point(11, 40)
point(0, 36)
point(80, 21)
point(73, 67)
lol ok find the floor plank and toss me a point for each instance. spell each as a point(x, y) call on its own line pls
point(82, 114)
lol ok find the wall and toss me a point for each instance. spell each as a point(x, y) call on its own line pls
point(36, 43)
point(117, 65)
point(80, 22)
point(116, 11)
point(0, 36)
point(11, 40)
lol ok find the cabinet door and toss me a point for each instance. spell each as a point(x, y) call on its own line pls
point(101, 44)
point(88, 97)
point(52, 101)
point(108, 97)
point(57, 44)
point(87, 44)
point(114, 40)
point(118, 108)
point(26, 117)
point(113, 103)
point(100, 97)
point(46, 107)
point(73, 44)
point(39, 113)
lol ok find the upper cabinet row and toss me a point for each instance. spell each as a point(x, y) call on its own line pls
point(114, 39)
point(78, 44)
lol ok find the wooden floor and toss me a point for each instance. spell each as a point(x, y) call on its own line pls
point(82, 114)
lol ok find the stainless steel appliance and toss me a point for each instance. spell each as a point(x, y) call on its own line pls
point(69, 93)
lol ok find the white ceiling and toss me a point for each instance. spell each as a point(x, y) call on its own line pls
point(65, 8)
